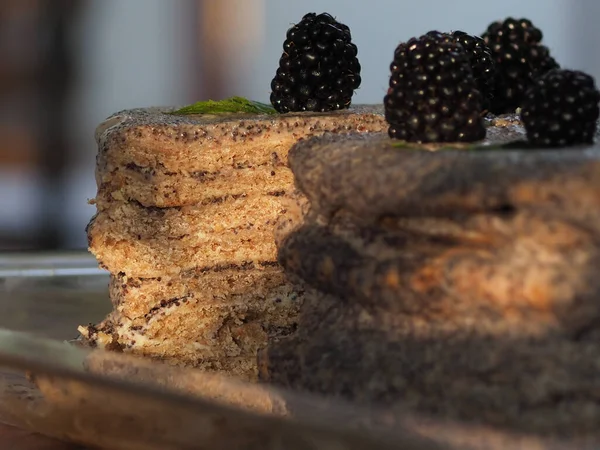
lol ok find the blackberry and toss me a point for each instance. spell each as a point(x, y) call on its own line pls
point(520, 58)
point(561, 109)
point(318, 70)
point(432, 96)
point(481, 61)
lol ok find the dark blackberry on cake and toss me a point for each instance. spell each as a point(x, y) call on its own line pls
point(319, 69)
point(520, 58)
point(481, 61)
point(432, 96)
point(561, 109)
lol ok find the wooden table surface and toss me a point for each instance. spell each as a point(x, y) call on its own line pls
point(12, 438)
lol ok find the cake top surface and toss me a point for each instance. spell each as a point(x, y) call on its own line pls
point(373, 176)
point(163, 117)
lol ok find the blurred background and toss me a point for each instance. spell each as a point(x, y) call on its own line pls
point(67, 64)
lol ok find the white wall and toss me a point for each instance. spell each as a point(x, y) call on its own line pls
point(131, 55)
point(580, 24)
point(379, 25)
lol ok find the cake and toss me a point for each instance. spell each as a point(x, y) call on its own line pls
point(461, 284)
point(412, 259)
point(186, 209)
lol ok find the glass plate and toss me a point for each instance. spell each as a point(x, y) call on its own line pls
point(51, 294)
point(120, 402)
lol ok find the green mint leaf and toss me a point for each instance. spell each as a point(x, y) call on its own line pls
point(227, 106)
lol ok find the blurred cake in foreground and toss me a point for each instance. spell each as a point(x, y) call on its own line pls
point(463, 283)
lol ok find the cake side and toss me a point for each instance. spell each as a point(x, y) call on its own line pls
point(262, 177)
point(523, 283)
point(237, 308)
point(186, 211)
point(159, 188)
point(193, 149)
point(163, 255)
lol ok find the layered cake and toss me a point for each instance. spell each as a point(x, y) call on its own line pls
point(186, 208)
point(421, 256)
point(462, 284)
point(188, 199)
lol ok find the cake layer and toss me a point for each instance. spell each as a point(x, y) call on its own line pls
point(200, 317)
point(163, 188)
point(524, 274)
point(154, 139)
point(240, 217)
point(217, 287)
point(150, 256)
point(405, 182)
